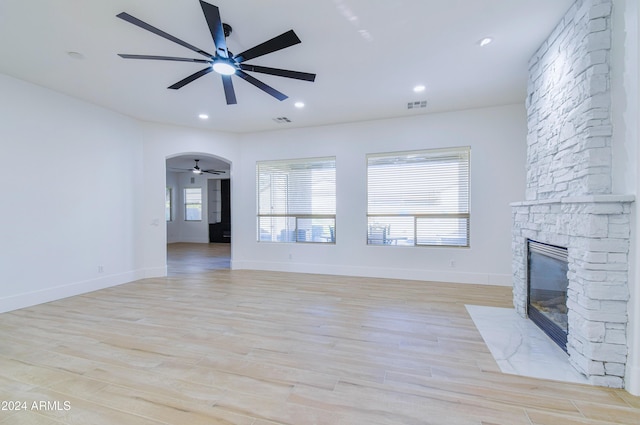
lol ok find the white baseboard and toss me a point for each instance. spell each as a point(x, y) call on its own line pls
point(154, 272)
point(198, 239)
point(379, 272)
point(28, 299)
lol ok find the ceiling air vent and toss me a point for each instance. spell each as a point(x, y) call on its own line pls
point(282, 120)
point(417, 105)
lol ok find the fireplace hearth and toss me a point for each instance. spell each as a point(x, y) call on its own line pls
point(547, 290)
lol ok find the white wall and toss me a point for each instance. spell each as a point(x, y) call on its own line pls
point(72, 182)
point(625, 90)
point(497, 137)
point(192, 231)
point(179, 230)
point(84, 192)
point(173, 226)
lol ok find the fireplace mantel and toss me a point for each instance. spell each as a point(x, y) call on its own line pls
point(586, 199)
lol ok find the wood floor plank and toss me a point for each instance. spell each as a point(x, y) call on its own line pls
point(545, 417)
point(29, 418)
point(169, 409)
point(209, 345)
point(599, 411)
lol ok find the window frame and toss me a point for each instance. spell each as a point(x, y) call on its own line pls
point(321, 227)
point(378, 227)
point(168, 204)
point(188, 204)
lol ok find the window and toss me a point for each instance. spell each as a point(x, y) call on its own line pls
point(297, 200)
point(193, 204)
point(419, 198)
point(168, 214)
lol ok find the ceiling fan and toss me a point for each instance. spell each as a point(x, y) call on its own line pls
point(197, 170)
point(224, 62)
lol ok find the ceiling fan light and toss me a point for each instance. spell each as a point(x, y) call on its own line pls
point(223, 68)
point(197, 171)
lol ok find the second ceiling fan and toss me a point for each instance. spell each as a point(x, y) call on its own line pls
point(223, 61)
point(197, 170)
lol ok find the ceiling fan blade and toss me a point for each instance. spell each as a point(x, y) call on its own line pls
point(135, 21)
point(262, 86)
point(280, 42)
point(229, 92)
point(190, 78)
point(279, 72)
point(212, 172)
point(162, 58)
point(212, 15)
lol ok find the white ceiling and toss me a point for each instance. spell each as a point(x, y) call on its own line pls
point(367, 54)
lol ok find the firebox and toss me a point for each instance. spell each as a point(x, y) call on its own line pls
point(547, 294)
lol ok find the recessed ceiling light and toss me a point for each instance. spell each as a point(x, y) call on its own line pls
point(419, 88)
point(485, 41)
point(203, 116)
point(299, 104)
point(75, 55)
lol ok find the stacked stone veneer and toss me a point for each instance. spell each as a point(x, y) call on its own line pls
point(568, 198)
point(568, 106)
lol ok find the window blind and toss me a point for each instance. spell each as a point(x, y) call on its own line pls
point(297, 200)
point(193, 204)
point(419, 197)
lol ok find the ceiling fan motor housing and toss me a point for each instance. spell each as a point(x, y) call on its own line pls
point(227, 29)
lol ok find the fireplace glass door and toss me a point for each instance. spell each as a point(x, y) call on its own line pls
point(548, 282)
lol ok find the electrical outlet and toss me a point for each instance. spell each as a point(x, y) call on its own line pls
point(100, 269)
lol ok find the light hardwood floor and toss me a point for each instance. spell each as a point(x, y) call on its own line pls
point(187, 258)
point(216, 346)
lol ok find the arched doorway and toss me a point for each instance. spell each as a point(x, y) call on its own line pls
point(197, 213)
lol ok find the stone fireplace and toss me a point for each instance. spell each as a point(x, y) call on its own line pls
point(595, 231)
point(569, 200)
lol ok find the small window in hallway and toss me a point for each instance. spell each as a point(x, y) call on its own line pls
point(193, 204)
point(168, 200)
